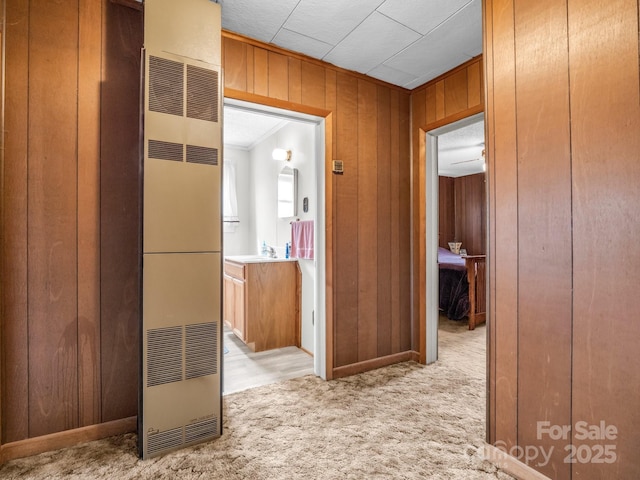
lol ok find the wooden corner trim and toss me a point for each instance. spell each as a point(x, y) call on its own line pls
point(511, 465)
point(374, 363)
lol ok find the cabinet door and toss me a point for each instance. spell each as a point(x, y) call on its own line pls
point(238, 317)
point(229, 301)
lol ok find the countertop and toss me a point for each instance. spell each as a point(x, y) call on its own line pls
point(256, 259)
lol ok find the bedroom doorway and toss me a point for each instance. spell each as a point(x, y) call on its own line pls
point(456, 204)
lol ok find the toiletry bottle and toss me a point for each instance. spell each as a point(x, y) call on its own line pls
point(286, 250)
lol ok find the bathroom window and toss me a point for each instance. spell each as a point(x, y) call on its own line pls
point(229, 197)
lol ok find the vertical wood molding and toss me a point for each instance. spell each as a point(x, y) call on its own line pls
point(503, 177)
point(15, 346)
point(345, 248)
point(89, 80)
point(367, 221)
point(384, 251)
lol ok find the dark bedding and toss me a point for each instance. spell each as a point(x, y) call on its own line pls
point(454, 286)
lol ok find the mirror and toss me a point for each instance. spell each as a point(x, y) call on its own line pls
point(287, 192)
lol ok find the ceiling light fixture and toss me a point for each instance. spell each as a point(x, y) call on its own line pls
point(281, 154)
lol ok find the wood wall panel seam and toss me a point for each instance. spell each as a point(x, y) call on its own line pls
point(14, 318)
point(89, 68)
point(367, 159)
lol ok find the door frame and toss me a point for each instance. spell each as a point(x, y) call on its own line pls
point(323, 304)
point(429, 231)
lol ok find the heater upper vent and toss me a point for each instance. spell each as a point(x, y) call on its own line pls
point(166, 86)
point(202, 93)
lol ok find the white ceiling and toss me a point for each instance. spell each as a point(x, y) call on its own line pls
point(403, 42)
point(244, 129)
point(460, 151)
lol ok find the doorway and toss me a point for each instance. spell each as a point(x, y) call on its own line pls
point(251, 133)
point(454, 155)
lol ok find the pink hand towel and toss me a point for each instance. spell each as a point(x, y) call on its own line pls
point(302, 239)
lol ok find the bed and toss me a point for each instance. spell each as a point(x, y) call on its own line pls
point(462, 286)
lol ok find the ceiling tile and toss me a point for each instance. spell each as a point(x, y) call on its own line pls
point(372, 42)
point(388, 74)
point(329, 22)
point(301, 44)
point(460, 151)
point(244, 129)
point(256, 18)
point(444, 48)
point(421, 15)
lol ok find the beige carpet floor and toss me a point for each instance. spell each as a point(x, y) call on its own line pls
point(405, 421)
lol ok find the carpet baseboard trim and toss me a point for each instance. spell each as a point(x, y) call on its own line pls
point(360, 367)
point(511, 465)
point(68, 438)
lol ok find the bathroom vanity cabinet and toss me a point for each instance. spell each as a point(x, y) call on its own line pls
point(262, 301)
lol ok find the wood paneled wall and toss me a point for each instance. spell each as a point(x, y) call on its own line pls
point(451, 97)
point(563, 120)
point(471, 213)
point(370, 221)
point(462, 207)
point(69, 216)
point(446, 211)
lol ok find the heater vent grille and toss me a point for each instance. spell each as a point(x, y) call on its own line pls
point(201, 350)
point(157, 442)
point(165, 150)
point(201, 430)
point(164, 356)
point(202, 94)
point(204, 155)
point(166, 86)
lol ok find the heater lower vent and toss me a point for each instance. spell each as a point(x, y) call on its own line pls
point(164, 356)
point(201, 430)
point(158, 442)
point(204, 155)
point(201, 350)
point(165, 150)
